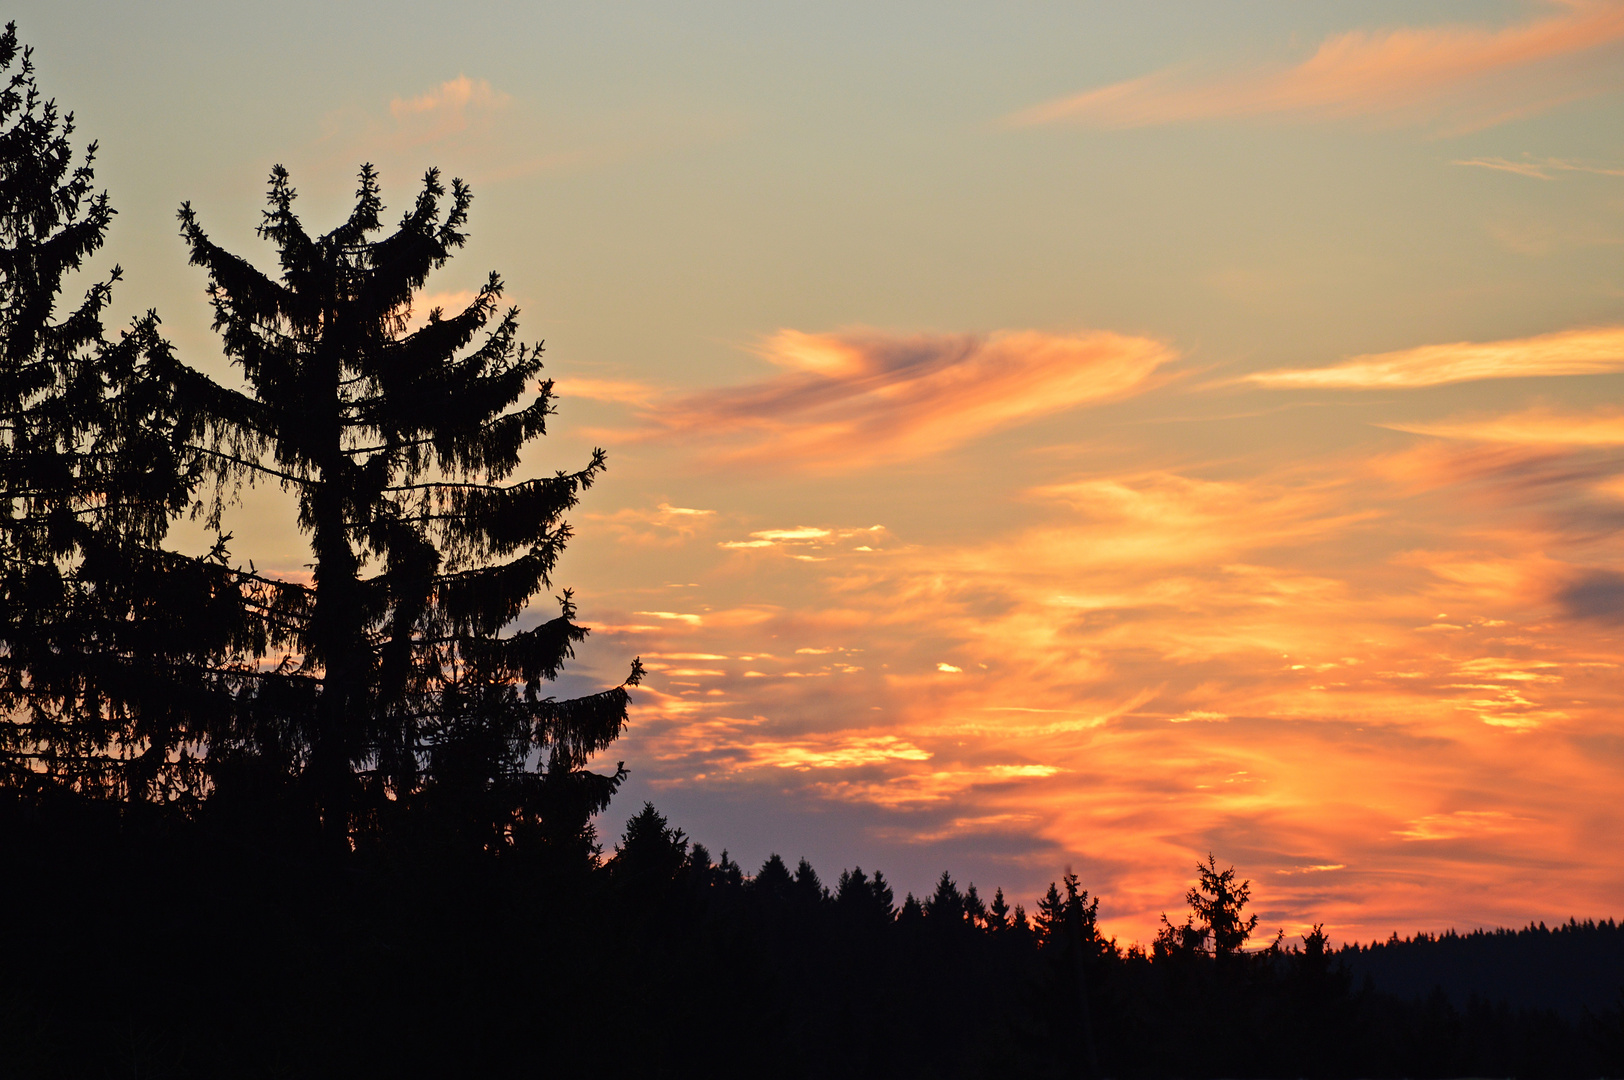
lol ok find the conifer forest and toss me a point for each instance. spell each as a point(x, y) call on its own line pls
point(255, 825)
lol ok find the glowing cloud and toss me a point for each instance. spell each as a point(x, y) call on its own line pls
point(664, 526)
point(1569, 352)
point(1532, 428)
point(857, 398)
point(617, 391)
point(1467, 76)
point(1270, 665)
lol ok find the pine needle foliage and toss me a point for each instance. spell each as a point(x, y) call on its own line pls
point(402, 683)
point(99, 627)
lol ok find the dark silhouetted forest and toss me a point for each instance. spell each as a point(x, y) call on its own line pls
point(337, 826)
point(144, 944)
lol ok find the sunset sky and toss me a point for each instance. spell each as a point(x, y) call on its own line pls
point(1040, 434)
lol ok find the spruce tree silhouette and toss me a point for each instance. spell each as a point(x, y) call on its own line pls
point(101, 631)
point(999, 917)
point(401, 688)
point(651, 854)
point(864, 901)
point(809, 890)
point(773, 885)
point(975, 909)
point(1216, 903)
point(945, 907)
point(1050, 920)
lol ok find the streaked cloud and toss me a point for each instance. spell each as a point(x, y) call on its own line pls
point(845, 751)
point(1594, 351)
point(1454, 77)
point(859, 398)
point(1538, 168)
point(663, 526)
point(808, 537)
point(1456, 824)
point(1274, 665)
point(1540, 427)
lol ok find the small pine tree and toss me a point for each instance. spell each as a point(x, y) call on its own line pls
point(651, 853)
point(946, 906)
point(773, 883)
point(975, 909)
point(1050, 921)
point(884, 898)
point(809, 890)
point(1081, 913)
point(998, 913)
point(1216, 903)
point(728, 875)
point(403, 686)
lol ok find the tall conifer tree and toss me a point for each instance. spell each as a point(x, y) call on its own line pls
point(403, 683)
point(100, 684)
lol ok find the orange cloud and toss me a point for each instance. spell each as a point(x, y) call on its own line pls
point(1532, 428)
point(1569, 352)
point(664, 526)
point(616, 391)
point(1465, 77)
point(1378, 703)
point(863, 397)
point(449, 303)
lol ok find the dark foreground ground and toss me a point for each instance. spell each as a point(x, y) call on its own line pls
point(143, 947)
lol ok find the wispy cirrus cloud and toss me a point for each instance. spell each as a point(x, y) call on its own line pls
point(1455, 77)
point(1538, 168)
point(664, 526)
point(1308, 667)
point(856, 398)
point(1533, 427)
point(1592, 351)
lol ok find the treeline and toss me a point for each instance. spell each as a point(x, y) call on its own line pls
point(1569, 967)
point(143, 944)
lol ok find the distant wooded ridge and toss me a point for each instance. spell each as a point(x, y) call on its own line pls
point(1568, 968)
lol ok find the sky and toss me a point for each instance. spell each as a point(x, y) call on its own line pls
point(1041, 435)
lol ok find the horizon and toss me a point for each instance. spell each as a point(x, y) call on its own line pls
point(1081, 438)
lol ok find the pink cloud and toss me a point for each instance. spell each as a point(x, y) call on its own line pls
point(446, 110)
point(858, 398)
point(1459, 77)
